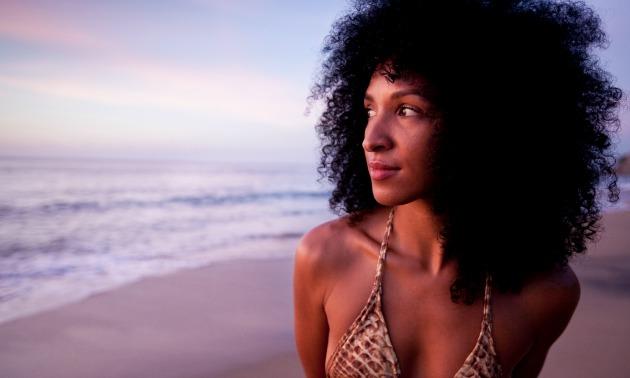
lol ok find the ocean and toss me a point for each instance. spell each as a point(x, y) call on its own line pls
point(73, 228)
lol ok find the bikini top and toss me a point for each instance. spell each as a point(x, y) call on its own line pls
point(365, 350)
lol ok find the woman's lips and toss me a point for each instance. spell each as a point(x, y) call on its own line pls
point(380, 171)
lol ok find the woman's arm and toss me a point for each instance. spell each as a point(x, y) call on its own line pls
point(311, 325)
point(555, 301)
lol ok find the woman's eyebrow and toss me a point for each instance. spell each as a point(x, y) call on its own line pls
point(401, 93)
point(411, 91)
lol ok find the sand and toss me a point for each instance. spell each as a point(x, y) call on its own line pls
point(213, 321)
point(235, 319)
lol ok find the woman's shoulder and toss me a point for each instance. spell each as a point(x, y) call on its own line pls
point(558, 285)
point(323, 245)
point(328, 250)
point(547, 303)
point(551, 299)
point(341, 237)
point(318, 254)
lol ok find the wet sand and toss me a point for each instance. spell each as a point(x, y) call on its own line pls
point(215, 321)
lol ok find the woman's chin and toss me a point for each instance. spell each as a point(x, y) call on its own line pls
point(387, 198)
point(395, 196)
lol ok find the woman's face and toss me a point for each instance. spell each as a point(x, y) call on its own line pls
point(398, 138)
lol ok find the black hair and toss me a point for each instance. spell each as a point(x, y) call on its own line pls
point(527, 116)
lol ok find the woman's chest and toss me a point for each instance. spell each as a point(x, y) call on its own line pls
point(435, 342)
point(431, 336)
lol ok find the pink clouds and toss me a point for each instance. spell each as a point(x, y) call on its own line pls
point(31, 24)
point(113, 73)
point(229, 94)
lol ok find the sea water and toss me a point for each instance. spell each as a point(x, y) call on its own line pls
point(71, 228)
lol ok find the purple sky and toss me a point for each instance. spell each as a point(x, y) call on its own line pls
point(197, 79)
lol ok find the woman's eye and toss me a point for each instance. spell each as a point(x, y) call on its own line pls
point(370, 113)
point(408, 111)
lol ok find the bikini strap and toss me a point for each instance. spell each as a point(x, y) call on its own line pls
point(487, 302)
point(383, 252)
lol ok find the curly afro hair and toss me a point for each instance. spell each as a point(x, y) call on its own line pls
point(525, 138)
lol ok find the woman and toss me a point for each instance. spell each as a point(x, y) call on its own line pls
point(465, 141)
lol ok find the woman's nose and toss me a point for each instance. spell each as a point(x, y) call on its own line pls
point(376, 137)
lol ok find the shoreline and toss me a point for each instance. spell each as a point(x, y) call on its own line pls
point(268, 249)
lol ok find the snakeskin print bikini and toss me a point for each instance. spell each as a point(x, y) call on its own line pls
point(365, 350)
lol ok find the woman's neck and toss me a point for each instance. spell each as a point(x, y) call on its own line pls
point(416, 235)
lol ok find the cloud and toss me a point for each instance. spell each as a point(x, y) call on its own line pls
point(113, 74)
point(221, 93)
point(21, 23)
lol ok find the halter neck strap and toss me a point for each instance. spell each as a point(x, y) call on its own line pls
point(384, 245)
point(487, 302)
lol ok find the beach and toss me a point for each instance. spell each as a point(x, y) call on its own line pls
point(213, 321)
point(235, 319)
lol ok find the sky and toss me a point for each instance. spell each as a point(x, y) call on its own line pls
point(186, 80)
